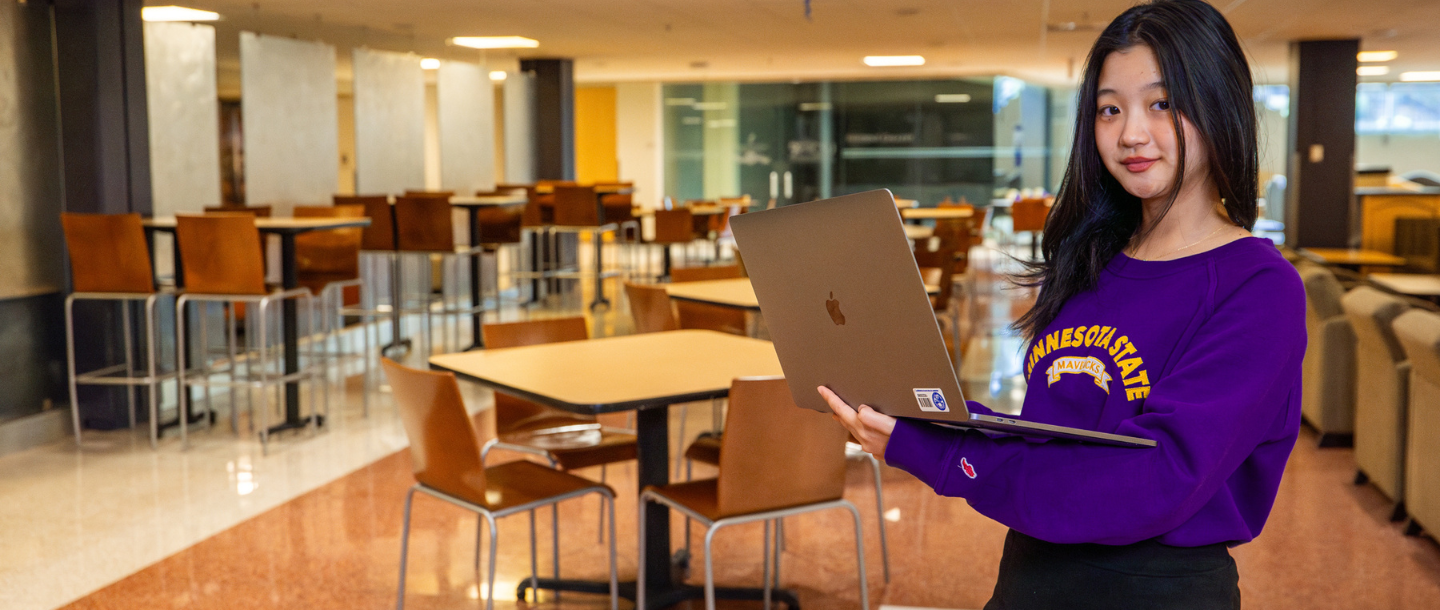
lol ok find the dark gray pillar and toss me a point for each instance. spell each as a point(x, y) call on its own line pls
point(554, 117)
point(1321, 166)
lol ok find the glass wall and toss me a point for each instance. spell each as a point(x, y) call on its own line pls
point(967, 139)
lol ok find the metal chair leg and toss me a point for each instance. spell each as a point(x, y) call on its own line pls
point(405, 549)
point(490, 581)
point(182, 390)
point(70, 362)
point(534, 563)
point(764, 561)
point(152, 363)
point(129, 359)
point(555, 542)
point(880, 515)
point(614, 574)
point(860, 556)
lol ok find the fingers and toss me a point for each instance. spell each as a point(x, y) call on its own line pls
point(875, 420)
point(844, 411)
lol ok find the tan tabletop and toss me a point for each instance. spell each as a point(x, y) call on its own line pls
point(736, 292)
point(607, 189)
point(618, 373)
point(936, 213)
point(919, 231)
point(1419, 285)
point(906, 203)
point(1357, 258)
point(275, 225)
point(488, 200)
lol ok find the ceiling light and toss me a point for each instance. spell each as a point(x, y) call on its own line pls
point(894, 60)
point(1415, 77)
point(1373, 56)
point(498, 75)
point(952, 98)
point(430, 63)
point(1372, 70)
point(176, 13)
point(495, 42)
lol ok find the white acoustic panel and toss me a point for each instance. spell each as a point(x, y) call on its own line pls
point(519, 128)
point(389, 122)
point(184, 116)
point(289, 113)
point(466, 111)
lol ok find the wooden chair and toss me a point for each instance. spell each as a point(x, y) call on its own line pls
point(258, 211)
point(1028, 216)
point(651, 308)
point(109, 261)
point(223, 263)
point(578, 211)
point(705, 316)
point(328, 264)
point(379, 262)
point(673, 227)
point(424, 226)
point(449, 466)
point(776, 461)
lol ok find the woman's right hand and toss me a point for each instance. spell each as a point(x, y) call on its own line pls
point(872, 428)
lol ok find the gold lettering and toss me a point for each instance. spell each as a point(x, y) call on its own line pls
point(1127, 366)
point(1090, 335)
point(1065, 337)
point(1105, 333)
point(1119, 343)
point(1052, 341)
point(1129, 349)
point(1140, 392)
point(1141, 378)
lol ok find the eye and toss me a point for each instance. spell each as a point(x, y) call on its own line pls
point(1161, 105)
point(1109, 111)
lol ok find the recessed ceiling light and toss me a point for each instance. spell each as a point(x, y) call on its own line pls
point(497, 75)
point(430, 63)
point(1416, 77)
point(1373, 56)
point(495, 42)
point(894, 60)
point(176, 13)
point(952, 98)
point(1372, 70)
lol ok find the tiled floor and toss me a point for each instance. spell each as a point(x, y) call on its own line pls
point(316, 523)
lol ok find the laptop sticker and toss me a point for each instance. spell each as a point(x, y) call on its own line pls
point(931, 400)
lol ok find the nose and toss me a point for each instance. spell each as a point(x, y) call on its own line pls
point(1135, 133)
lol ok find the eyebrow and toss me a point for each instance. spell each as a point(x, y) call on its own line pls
point(1159, 84)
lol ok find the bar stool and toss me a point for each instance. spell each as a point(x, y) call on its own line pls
point(449, 466)
point(223, 263)
point(1028, 215)
point(378, 260)
point(424, 226)
point(501, 226)
point(776, 461)
point(109, 261)
point(673, 227)
point(328, 264)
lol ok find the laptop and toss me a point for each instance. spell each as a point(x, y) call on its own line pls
point(846, 308)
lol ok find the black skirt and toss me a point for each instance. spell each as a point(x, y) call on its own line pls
point(1035, 575)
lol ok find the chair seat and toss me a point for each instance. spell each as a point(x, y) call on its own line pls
point(705, 449)
point(522, 482)
point(613, 447)
point(700, 496)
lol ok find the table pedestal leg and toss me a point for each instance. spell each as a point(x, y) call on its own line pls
point(289, 311)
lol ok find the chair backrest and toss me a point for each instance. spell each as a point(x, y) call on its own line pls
point(444, 449)
point(221, 254)
point(1419, 334)
point(1322, 293)
point(700, 274)
point(535, 332)
point(334, 251)
point(107, 253)
point(576, 206)
point(436, 194)
point(258, 211)
point(424, 224)
point(500, 224)
point(1029, 214)
point(650, 307)
point(675, 226)
point(774, 454)
point(380, 235)
point(1372, 314)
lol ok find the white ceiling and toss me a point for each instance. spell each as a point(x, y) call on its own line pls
point(689, 40)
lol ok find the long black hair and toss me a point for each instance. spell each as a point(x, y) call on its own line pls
point(1208, 82)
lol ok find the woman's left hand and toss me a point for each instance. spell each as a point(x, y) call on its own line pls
point(872, 428)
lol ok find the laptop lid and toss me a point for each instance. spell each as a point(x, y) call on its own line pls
point(846, 306)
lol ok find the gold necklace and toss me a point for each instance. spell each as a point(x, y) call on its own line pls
point(1191, 245)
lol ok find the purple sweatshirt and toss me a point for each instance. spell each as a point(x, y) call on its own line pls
point(1201, 354)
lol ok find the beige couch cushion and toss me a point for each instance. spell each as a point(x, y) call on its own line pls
point(1419, 334)
point(1328, 395)
point(1381, 387)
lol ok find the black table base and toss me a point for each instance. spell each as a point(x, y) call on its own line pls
point(660, 598)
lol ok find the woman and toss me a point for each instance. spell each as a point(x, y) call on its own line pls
point(1158, 316)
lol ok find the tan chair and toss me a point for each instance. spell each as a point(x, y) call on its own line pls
point(445, 454)
point(673, 227)
point(424, 226)
point(578, 211)
point(1028, 216)
point(1382, 381)
point(704, 316)
point(937, 267)
point(1419, 335)
point(776, 461)
point(1328, 395)
point(258, 211)
point(109, 261)
point(379, 263)
point(224, 264)
point(328, 264)
point(651, 308)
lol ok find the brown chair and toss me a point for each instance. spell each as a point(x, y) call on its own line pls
point(1028, 216)
point(223, 263)
point(673, 227)
point(379, 261)
point(937, 267)
point(258, 211)
point(704, 316)
point(578, 211)
point(651, 308)
point(380, 235)
point(109, 261)
point(776, 461)
point(433, 194)
point(445, 455)
point(328, 264)
point(1419, 335)
point(424, 226)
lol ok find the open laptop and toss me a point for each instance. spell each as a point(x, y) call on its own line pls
point(847, 309)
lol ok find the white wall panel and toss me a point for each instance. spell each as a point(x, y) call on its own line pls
point(389, 122)
point(184, 116)
point(466, 125)
point(289, 113)
point(519, 128)
point(639, 140)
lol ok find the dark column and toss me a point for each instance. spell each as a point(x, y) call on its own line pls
point(104, 138)
point(1321, 167)
point(554, 117)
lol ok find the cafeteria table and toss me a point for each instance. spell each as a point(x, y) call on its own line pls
point(738, 293)
point(1415, 285)
point(1351, 258)
point(287, 229)
point(936, 213)
point(548, 231)
point(472, 206)
point(644, 373)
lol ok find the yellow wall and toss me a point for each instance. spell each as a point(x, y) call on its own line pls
point(595, 135)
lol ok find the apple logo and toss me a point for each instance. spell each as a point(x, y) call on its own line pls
point(833, 306)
